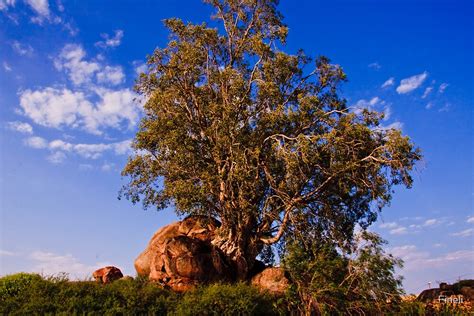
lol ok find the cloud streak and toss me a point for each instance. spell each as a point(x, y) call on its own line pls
point(409, 84)
point(110, 41)
point(390, 82)
point(59, 148)
point(20, 127)
point(22, 49)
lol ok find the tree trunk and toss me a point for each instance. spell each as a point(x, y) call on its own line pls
point(240, 250)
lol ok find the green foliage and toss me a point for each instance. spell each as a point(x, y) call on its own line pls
point(417, 308)
point(225, 299)
point(328, 279)
point(414, 308)
point(31, 294)
point(25, 294)
point(15, 284)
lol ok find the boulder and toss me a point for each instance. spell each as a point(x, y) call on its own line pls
point(429, 295)
point(271, 279)
point(107, 274)
point(464, 288)
point(180, 255)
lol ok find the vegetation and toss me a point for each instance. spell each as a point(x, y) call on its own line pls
point(239, 130)
point(325, 280)
point(31, 294)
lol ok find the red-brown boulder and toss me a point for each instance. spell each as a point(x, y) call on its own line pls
point(271, 279)
point(107, 274)
point(180, 255)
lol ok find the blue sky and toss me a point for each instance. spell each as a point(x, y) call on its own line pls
point(67, 114)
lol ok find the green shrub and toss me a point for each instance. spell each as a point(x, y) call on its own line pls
point(23, 294)
point(32, 294)
point(226, 299)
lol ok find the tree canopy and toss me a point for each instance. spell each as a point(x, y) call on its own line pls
point(237, 129)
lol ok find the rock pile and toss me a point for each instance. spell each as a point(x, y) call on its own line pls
point(180, 255)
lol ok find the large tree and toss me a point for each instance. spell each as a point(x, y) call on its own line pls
point(236, 129)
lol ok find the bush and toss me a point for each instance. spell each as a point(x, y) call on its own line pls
point(226, 299)
point(25, 294)
point(32, 294)
point(328, 280)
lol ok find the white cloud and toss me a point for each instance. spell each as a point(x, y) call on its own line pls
point(429, 105)
point(431, 222)
point(81, 71)
point(6, 66)
point(107, 166)
point(367, 104)
point(111, 75)
point(398, 231)
point(56, 108)
point(57, 157)
point(411, 83)
point(85, 166)
point(60, 145)
point(388, 225)
point(21, 127)
point(49, 263)
point(110, 41)
point(36, 142)
point(374, 101)
point(123, 148)
point(395, 125)
point(91, 151)
point(387, 113)
point(59, 148)
point(71, 59)
point(140, 67)
point(4, 4)
point(416, 259)
point(7, 253)
point(390, 82)
point(41, 8)
point(470, 220)
point(445, 108)
point(394, 228)
point(114, 108)
point(427, 91)
point(408, 253)
point(53, 107)
point(464, 233)
point(42, 12)
point(411, 218)
point(442, 87)
point(375, 65)
point(22, 49)
point(94, 151)
point(60, 5)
